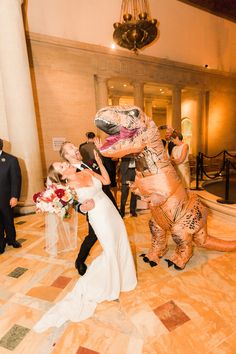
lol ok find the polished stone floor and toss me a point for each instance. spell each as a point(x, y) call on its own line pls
point(170, 311)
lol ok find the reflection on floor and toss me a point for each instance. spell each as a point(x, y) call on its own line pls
point(170, 311)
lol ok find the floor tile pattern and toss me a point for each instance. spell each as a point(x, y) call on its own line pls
point(171, 315)
point(17, 272)
point(83, 350)
point(170, 312)
point(13, 337)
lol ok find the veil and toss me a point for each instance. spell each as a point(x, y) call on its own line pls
point(60, 234)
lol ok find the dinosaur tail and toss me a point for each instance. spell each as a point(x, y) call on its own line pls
point(216, 244)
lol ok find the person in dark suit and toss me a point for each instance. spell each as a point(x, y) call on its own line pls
point(127, 171)
point(71, 153)
point(10, 186)
point(87, 148)
point(167, 142)
point(170, 143)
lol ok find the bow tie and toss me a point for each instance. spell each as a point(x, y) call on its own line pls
point(81, 167)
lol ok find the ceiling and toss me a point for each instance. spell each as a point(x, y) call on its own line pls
point(186, 33)
point(222, 8)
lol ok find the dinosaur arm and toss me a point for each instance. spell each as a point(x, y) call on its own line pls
point(154, 199)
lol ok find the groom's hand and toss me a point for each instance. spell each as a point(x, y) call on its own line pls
point(87, 205)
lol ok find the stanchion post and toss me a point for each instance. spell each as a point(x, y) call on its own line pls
point(227, 178)
point(201, 164)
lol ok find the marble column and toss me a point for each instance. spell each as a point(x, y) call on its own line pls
point(169, 114)
point(3, 117)
point(102, 92)
point(138, 94)
point(176, 108)
point(18, 100)
point(115, 100)
point(200, 121)
point(101, 99)
point(148, 107)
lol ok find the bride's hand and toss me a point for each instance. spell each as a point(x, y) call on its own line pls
point(97, 158)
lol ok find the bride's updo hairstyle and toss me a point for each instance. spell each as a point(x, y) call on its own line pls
point(55, 176)
point(176, 134)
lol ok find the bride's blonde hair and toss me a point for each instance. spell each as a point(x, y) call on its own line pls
point(55, 176)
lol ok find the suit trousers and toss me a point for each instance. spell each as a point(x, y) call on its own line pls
point(91, 238)
point(7, 226)
point(86, 245)
point(129, 176)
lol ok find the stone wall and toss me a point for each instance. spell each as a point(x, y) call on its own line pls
point(65, 73)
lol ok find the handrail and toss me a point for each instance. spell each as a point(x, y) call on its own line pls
point(226, 199)
point(225, 169)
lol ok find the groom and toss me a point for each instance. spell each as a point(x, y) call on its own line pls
point(70, 153)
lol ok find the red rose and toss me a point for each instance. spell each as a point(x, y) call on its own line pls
point(35, 196)
point(63, 203)
point(60, 192)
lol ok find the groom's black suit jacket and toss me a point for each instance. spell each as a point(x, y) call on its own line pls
point(10, 179)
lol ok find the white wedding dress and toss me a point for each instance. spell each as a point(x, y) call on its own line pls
point(110, 273)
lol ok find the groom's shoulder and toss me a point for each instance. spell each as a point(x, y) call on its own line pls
point(93, 165)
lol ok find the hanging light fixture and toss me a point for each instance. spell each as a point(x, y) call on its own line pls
point(136, 29)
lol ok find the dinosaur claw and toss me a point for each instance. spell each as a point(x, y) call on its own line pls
point(177, 268)
point(152, 263)
point(145, 259)
point(142, 255)
point(170, 263)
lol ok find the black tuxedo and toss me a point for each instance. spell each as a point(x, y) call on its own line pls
point(170, 147)
point(91, 238)
point(10, 186)
point(127, 174)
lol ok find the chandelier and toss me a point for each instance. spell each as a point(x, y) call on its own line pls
point(137, 28)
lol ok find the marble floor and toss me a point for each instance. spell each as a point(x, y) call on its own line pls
point(170, 311)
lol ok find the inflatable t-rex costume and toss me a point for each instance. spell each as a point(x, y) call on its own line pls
point(173, 208)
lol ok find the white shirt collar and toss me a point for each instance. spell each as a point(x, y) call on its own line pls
point(0, 152)
point(77, 165)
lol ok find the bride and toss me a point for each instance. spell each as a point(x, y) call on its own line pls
point(111, 272)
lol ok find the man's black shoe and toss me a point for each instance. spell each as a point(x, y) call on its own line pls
point(2, 247)
point(134, 214)
point(81, 267)
point(14, 244)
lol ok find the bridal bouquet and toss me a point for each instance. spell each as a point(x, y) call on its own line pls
point(55, 199)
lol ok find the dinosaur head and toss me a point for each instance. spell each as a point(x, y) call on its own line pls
point(127, 127)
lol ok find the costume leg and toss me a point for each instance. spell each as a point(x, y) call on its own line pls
point(86, 246)
point(184, 250)
point(8, 217)
point(159, 242)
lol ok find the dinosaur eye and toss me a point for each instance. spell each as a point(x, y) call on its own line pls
point(134, 113)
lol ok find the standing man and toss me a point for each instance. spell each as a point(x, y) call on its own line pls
point(87, 149)
point(70, 153)
point(127, 171)
point(10, 186)
point(167, 142)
